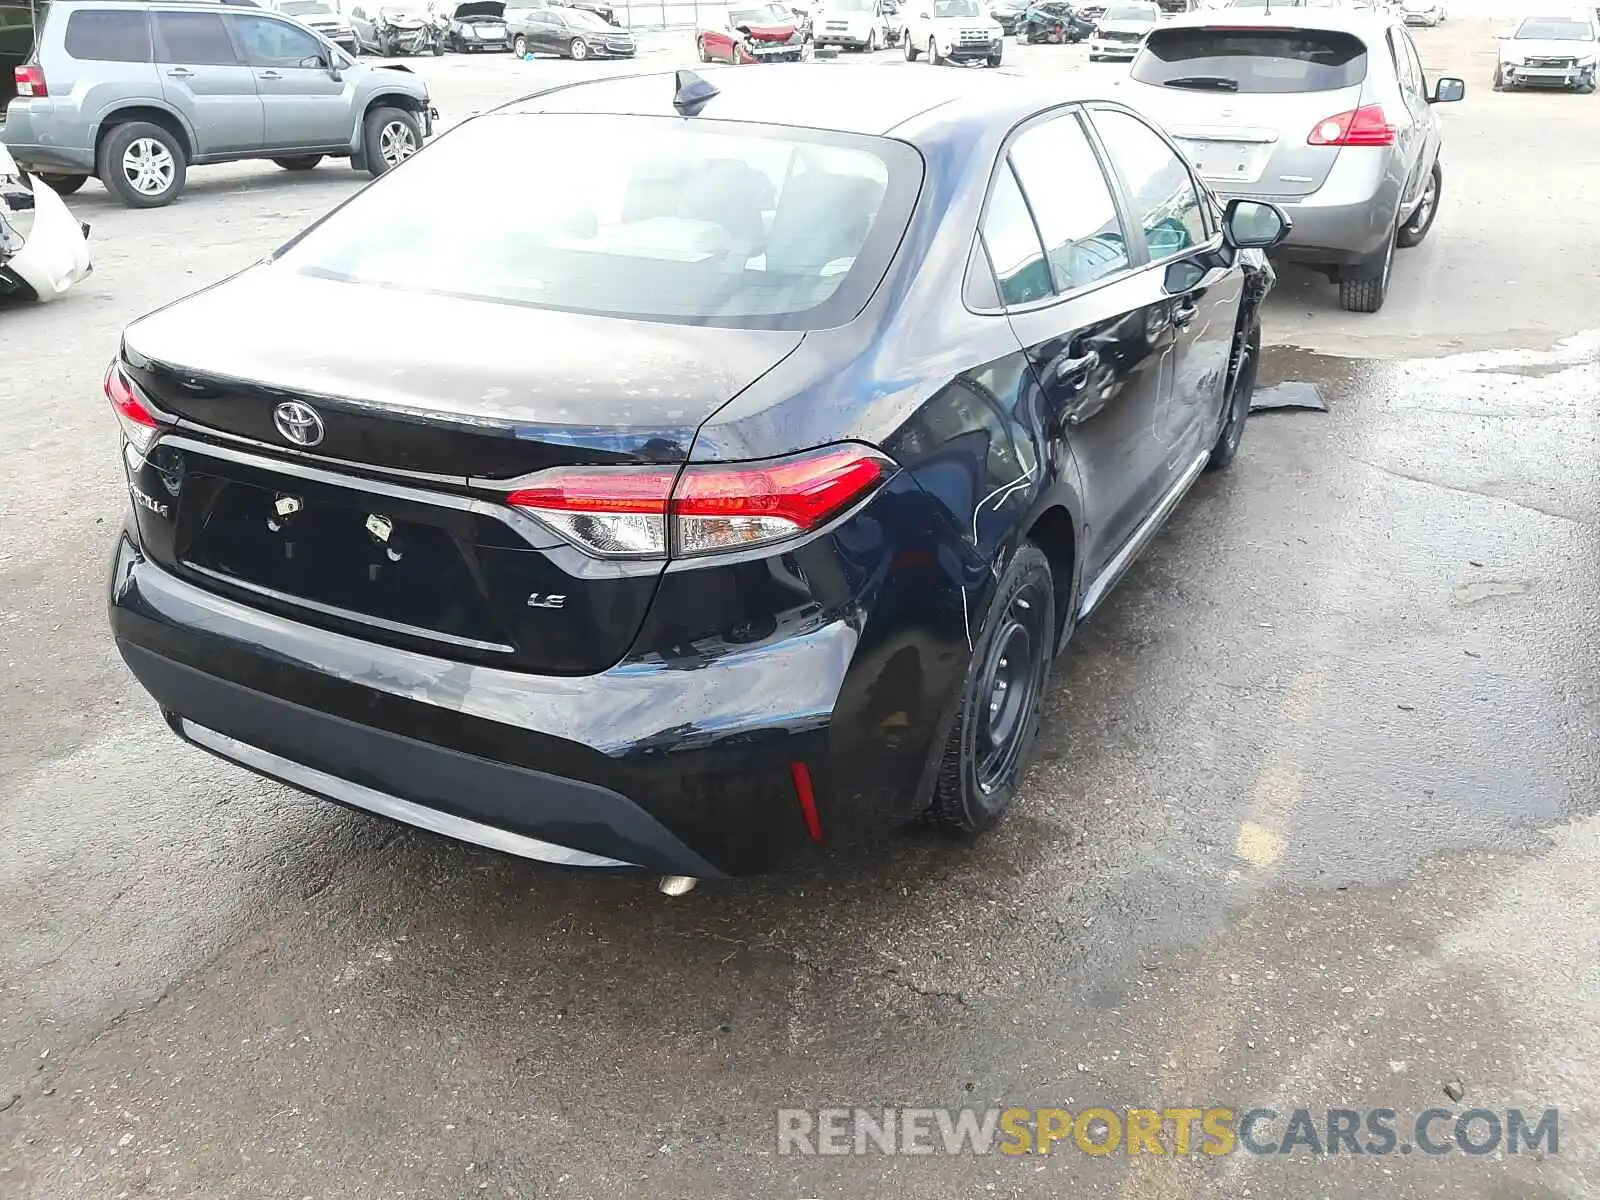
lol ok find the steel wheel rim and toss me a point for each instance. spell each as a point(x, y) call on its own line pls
point(1008, 690)
point(148, 166)
point(396, 143)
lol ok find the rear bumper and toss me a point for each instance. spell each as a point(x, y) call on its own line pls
point(1333, 234)
point(33, 137)
point(678, 765)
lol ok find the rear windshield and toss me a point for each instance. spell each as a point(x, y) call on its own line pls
point(1252, 60)
point(651, 218)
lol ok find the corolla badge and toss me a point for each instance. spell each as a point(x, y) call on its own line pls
point(299, 423)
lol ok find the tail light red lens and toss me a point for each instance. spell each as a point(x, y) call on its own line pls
point(138, 424)
point(30, 81)
point(652, 512)
point(1364, 126)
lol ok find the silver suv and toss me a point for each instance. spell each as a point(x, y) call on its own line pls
point(136, 93)
point(1324, 112)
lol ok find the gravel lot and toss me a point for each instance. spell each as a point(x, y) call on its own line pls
point(1312, 824)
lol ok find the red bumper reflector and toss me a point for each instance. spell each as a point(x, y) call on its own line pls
point(807, 798)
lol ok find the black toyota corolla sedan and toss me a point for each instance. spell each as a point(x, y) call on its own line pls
point(732, 500)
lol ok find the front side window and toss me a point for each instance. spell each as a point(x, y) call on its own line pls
point(196, 38)
point(269, 43)
point(644, 217)
point(1072, 203)
point(1165, 199)
point(108, 35)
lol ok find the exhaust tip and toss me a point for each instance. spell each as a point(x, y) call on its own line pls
point(677, 885)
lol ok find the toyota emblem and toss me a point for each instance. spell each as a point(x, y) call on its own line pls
point(299, 423)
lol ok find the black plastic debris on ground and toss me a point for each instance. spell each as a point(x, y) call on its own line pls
point(1291, 394)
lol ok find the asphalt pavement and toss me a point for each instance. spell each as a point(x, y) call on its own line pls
point(1312, 824)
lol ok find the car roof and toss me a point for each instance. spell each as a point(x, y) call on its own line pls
point(851, 99)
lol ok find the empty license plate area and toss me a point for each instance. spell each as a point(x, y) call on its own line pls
point(1221, 160)
point(399, 564)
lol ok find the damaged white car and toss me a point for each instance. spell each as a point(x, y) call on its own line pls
point(43, 250)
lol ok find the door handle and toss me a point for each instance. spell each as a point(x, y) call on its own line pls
point(181, 73)
point(270, 75)
point(1075, 370)
point(1183, 312)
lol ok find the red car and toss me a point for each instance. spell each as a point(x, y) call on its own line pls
point(756, 33)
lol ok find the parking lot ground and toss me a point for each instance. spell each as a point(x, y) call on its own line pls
point(1313, 823)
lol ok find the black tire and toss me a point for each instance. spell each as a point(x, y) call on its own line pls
point(1414, 230)
point(1363, 289)
point(700, 49)
point(934, 56)
point(994, 60)
point(910, 48)
point(381, 131)
point(578, 50)
point(1236, 411)
point(872, 41)
point(520, 48)
point(117, 143)
point(1499, 80)
point(438, 48)
point(299, 162)
point(1001, 697)
point(64, 185)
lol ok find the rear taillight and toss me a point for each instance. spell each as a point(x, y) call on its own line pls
point(30, 81)
point(138, 425)
point(1364, 126)
point(651, 512)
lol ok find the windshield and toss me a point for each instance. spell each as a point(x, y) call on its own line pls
point(1130, 12)
point(770, 14)
point(1547, 29)
point(652, 218)
point(585, 19)
point(955, 8)
point(849, 5)
point(411, 9)
point(304, 8)
point(1252, 60)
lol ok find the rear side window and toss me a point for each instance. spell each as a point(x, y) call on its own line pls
point(1015, 251)
point(693, 222)
point(195, 38)
point(108, 35)
point(1252, 60)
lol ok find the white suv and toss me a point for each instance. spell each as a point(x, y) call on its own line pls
point(953, 30)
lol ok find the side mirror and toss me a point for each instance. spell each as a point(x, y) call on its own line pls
point(1255, 224)
point(1447, 89)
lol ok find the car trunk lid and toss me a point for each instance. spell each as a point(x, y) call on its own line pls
point(1241, 101)
point(392, 525)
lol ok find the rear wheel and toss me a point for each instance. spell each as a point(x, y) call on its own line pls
point(142, 164)
point(1414, 230)
point(520, 48)
point(910, 48)
point(1363, 289)
point(64, 185)
point(991, 741)
point(299, 162)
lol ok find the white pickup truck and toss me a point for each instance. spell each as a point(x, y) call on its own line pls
point(952, 31)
